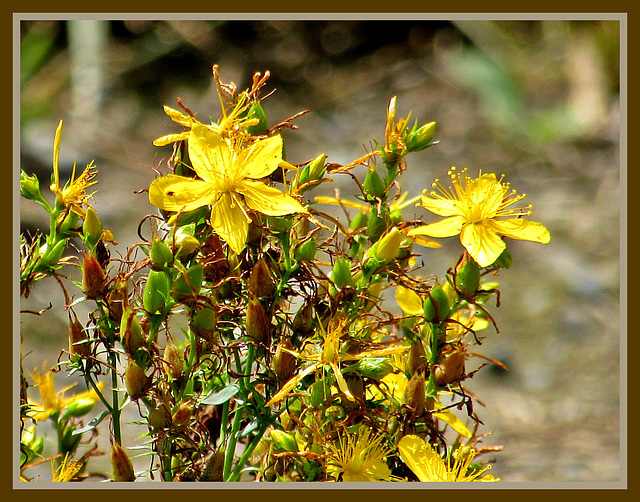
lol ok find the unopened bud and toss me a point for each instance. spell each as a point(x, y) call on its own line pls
point(51, 255)
point(257, 116)
point(94, 281)
point(160, 254)
point(188, 284)
point(416, 358)
point(341, 274)
point(131, 333)
point(414, 394)
point(388, 247)
point(121, 465)
point(306, 250)
point(186, 244)
point(79, 408)
point(467, 277)
point(159, 417)
point(450, 367)
point(283, 441)
point(78, 339)
point(261, 283)
point(203, 321)
point(30, 187)
point(283, 363)
point(504, 260)
point(214, 468)
point(183, 414)
point(377, 223)
point(420, 138)
point(156, 291)
point(436, 305)
point(137, 382)
point(91, 228)
point(374, 187)
point(257, 323)
point(173, 360)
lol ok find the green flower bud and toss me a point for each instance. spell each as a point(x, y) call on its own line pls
point(187, 284)
point(131, 332)
point(121, 465)
point(50, 255)
point(374, 187)
point(375, 368)
point(317, 167)
point(341, 274)
point(79, 408)
point(30, 187)
point(91, 228)
point(156, 291)
point(306, 251)
point(203, 321)
point(359, 221)
point(388, 247)
point(69, 226)
point(257, 112)
point(159, 417)
point(283, 441)
point(420, 138)
point(160, 254)
point(467, 277)
point(320, 392)
point(377, 224)
point(436, 305)
point(186, 244)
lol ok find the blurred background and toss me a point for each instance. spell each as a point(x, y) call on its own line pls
point(537, 101)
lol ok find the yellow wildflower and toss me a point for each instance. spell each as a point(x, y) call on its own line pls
point(67, 470)
point(52, 401)
point(230, 183)
point(359, 457)
point(332, 356)
point(74, 195)
point(425, 463)
point(477, 210)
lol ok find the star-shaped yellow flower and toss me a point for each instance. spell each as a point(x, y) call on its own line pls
point(477, 209)
point(425, 463)
point(230, 182)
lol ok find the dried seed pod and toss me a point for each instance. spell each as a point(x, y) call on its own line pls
point(137, 382)
point(283, 363)
point(94, 281)
point(261, 283)
point(416, 358)
point(414, 394)
point(213, 469)
point(450, 367)
point(258, 325)
point(173, 360)
point(78, 338)
point(121, 464)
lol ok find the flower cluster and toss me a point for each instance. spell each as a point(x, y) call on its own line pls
point(255, 332)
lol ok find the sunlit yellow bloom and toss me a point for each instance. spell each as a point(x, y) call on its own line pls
point(359, 457)
point(230, 183)
point(477, 209)
point(425, 463)
point(52, 401)
point(330, 354)
point(74, 194)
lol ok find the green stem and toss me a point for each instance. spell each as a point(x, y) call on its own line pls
point(235, 475)
point(115, 408)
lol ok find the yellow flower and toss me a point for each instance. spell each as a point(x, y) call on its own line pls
point(425, 463)
point(66, 471)
point(74, 194)
point(230, 183)
point(359, 457)
point(52, 401)
point(477, 209)
point(228, 124)
point(331, 356)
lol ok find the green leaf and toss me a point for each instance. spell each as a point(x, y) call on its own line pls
point(93, 424)
point(222, 396)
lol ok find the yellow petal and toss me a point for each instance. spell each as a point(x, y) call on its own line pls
point(524, 230)
point(171, 138)
point(482, 242)
point(261, 158)
point(342, 383)
point(268, 200)
point(290, 385)
point(441, 206)
point(210, 154)
point(445, 228)
point(230, 222)
point(173, 193)
point(179, 117)
point(340, 202)
point(420, 458)
point(453, 421)
point(409, 301)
